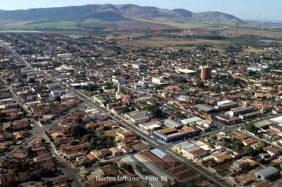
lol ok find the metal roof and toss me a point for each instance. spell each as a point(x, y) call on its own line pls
point(191, 120)
point(267, 171)
point(159, 153)
point(172, 123)
point(277, 119)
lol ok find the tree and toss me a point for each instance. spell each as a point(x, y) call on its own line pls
point(74, 142)
point(2, 118)
point(200, 85)
point(248, 150)
point(43, 141)
point(236, 145)
point(30, 152)
point(251, 128)
point(125, 109)
point(127, 167)
point(77, 131)
point(102, 142)
point(258, 150)
point(155, 110)
point(58, 99)
point(109, 142)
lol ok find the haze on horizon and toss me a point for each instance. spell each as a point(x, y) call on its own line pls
point(263, 10)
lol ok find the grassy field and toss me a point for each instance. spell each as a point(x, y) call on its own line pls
point(95, 23)
point(124, 24)
point(39, 26)
point(252, 32)
point(180, 25)
point(175, 42)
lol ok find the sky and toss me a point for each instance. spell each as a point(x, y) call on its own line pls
point(266, 10)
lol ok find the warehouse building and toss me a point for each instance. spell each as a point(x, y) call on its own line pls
point(172, 123)
point(241, 110)
point(190, 150)
point(267, 173)
point(173, 134)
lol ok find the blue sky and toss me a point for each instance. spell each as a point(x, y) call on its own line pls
point(245, 9)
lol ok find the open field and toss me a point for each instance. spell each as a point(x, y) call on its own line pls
point(180, 25)
point(153, 24)
point(174, 42)
point(124, 25)
point(274, 33)
point(39, 25)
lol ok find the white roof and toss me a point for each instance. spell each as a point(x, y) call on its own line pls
point(92, 110)
point(191, 120)
point(150, 125)
point(182, 70)
point(223, 102)
point(277, 119)
point(128, 159)
point(172, 123)
point(188, 146)
point(158, 152)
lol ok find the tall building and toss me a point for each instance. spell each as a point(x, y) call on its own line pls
point(118, 91)
point(206, 72)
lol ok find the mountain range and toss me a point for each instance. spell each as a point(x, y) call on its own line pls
point(113, 13)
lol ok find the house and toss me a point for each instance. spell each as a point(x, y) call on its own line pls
point(150, 125)
point(267, 173)
point(226, 104)
point(227, 120)
point(249, 141)
point(192, 120)
point(139, 146)
point(273, 151)
point(240, 110)
point(91, 124)
point(21, 124)
point(263, 124)
point(243, 164)
point(103, 153)
point(127, 149)
point(190, 150)
point(222, 157)
point(173, 134)
point(91, 157)
point(74, 151)
point(137, 117)
point(206, 145)
point(205, 124)
point(250, 115)
point(204, 108)
point(115, 151)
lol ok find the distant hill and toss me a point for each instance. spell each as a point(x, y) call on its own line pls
point(216, 17)
point(108, 12)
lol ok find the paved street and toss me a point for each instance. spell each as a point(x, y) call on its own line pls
point(194, 166)
point(40, 132)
